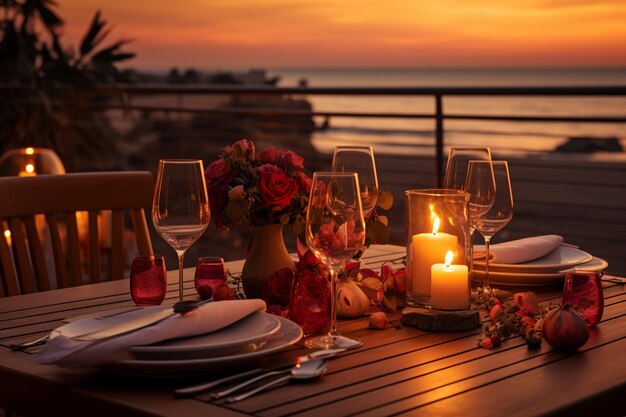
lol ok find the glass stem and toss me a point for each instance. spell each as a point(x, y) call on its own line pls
point(333, 302)
point(181, 258)
point(486, 281)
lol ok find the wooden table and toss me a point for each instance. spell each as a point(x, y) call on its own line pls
point(397, 371)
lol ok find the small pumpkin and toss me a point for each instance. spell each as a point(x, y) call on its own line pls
point(564, 329)
point(351, 300)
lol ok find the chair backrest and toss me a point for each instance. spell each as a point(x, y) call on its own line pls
point(29, 204)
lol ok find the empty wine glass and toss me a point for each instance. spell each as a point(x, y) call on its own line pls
point(180, 209)
point(458, 162)
point(335, 232)
point(360, 159)
point(456, 179)
point(501, 212)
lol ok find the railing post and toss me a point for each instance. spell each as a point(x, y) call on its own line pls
point(439, 139)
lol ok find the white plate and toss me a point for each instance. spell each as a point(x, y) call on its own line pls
point(255, 329)
point(557, 260)
point(526, 279)
point(288, 334)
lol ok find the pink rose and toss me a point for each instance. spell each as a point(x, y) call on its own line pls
point(291, 160)
point(304, 182)
point(236, 193)
point(277, 190)
point(242, 149)
point(269, 155)
point(277, 287)
point(217, 175)
point(265, 169)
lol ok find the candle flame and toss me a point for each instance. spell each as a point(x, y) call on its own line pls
point(30, 151)
point(30, 168)
point(436, 224)
point(449, 256)
point(7, 234)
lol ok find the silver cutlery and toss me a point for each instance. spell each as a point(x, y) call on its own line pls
point(306, 370)
point(198, 389)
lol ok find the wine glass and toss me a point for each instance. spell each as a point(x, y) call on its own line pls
point(180, 209)
point(501, 211)
point(457, 166)
point(335, 231)
point(456, 179)
point(360, 159)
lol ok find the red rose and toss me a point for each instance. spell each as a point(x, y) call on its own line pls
point(265, 169)
point(269, 155)
point(242, 149)
point(304, 182)
point(291, 160)
point(217, 175)
point(277, 287)
point(277, 190)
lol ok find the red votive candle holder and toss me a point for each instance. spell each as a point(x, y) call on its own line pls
point(148, 280)
point(210, 271)
point(583, 290)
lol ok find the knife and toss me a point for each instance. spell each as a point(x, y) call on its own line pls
point(182, 308)
point(198, 389)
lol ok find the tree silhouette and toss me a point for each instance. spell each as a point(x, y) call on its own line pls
point(47, 90)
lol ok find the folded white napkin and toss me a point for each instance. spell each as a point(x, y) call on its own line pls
point(520, 250)
point(207, 318)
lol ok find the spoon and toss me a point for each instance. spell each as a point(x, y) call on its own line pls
point(306, 370)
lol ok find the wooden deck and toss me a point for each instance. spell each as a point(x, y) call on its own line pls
point(401, 371)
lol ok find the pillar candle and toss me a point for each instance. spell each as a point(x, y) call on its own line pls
point(449, 286)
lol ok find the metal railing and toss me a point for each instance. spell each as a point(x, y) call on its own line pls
point(437, 93)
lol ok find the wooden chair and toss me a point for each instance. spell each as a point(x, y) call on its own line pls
point(58, 198)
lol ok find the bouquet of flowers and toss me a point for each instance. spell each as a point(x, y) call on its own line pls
point(263, 189)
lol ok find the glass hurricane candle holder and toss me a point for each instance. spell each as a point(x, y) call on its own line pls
point(436, 224)
point(28, 162)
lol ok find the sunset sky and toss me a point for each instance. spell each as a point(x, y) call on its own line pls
point(363, 33)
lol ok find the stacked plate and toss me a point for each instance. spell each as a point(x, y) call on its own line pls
point(548, 270)
point(235, 346)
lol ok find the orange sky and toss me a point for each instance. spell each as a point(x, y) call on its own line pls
point(361, 33)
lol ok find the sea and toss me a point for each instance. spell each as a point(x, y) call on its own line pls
point(416, 136)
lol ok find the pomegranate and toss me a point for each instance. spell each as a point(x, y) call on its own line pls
point(565, 329)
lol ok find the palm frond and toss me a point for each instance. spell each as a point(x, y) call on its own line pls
point(91, 39)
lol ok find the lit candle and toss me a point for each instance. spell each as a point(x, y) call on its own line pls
point(450, 285)
point(428, 249)
point(7, 237)
point(29, 171)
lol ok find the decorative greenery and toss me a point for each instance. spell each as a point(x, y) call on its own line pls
point(377, 225)
point(48, 89)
